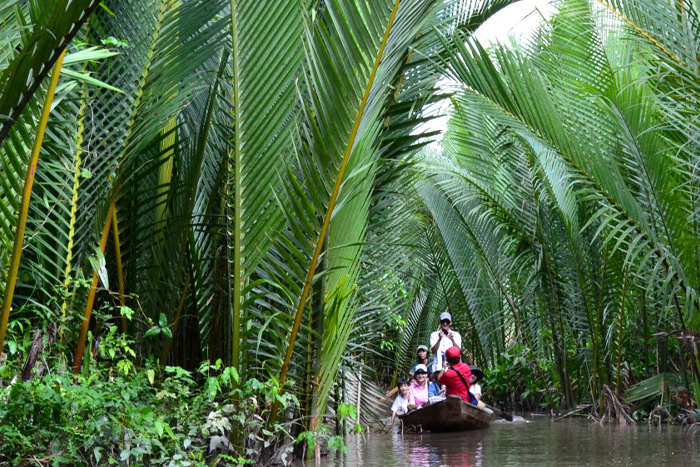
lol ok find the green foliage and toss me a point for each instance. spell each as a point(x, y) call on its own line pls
point(555, 218)
point(25, 72)
point(323, 435)
point(556, 221)
point(114, 416)
point(520, 382)
point(217, 130)
point(161, 328)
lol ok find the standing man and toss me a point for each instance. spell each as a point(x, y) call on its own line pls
point(443, 339)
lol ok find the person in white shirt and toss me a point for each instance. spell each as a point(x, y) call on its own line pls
point(400, 406)
point(443, 339)
point(474, 386)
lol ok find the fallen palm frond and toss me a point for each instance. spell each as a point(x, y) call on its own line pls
point(577, 411)
point(657, 386)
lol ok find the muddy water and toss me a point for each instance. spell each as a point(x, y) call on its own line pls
point(537, 442)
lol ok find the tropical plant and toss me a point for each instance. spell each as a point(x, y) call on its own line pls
point(254, 183)
point(210, 166)
point(562, 192)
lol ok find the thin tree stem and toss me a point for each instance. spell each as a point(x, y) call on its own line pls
point(599, 318)
point(91, 296)
point(237, 194)
point(619, 334)
point(26, 197)
point(120, 272)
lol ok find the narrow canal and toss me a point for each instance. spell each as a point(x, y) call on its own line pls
point(536, 442)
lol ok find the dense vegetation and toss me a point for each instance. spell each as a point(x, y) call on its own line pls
point(242, 221)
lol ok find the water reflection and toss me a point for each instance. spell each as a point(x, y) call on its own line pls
point(540, 443)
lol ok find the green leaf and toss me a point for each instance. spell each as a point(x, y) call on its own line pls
point(653, 387)
point(159, 426)
point(84, 77)
point(126, 311)
point(104, 7)
point(5, 371)
point(232, 374)
point(100, 265)
point(24, 75)
point(163, 393)
point(90, 54)
point(115, 42)
point(309, 437)
point(346, 410)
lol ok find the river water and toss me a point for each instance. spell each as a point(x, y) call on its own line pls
point(535, 442)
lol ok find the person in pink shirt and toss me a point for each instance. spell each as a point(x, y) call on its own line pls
point(418, 390)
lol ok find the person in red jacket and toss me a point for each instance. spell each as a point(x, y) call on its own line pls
point(456, 377)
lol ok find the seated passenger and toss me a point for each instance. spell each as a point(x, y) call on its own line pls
point(400, 406)
point(456, 377)
point(474, 386)
point(436, 393)
point(418, 390)
point(421, 358)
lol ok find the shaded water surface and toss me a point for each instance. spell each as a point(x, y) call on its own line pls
point(539, 442)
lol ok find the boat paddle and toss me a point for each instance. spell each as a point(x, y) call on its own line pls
point(500, 413)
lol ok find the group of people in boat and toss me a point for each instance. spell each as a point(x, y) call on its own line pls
point(432, 378)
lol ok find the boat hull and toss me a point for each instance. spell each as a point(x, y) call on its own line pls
point(452, 414)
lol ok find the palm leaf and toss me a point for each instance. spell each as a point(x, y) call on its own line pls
point(24, 204)
point(356, 144)
point(653, 387)
point(262, 112)
point(55, 23)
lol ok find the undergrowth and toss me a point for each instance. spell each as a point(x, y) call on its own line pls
point(113, 413)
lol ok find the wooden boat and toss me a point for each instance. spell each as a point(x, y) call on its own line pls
point(452, 414)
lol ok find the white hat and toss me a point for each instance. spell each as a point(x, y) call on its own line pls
point(421, 367)
point(445, 315)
